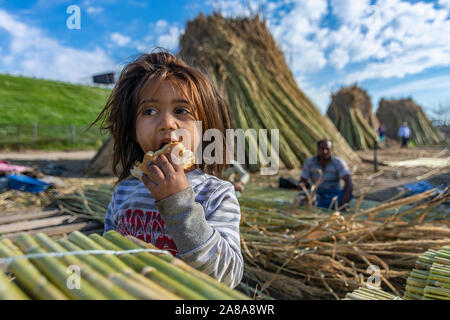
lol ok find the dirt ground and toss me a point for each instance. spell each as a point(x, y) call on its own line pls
point(382, 187)
point(379, 186)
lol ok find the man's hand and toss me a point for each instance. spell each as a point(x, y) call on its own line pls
point(169, 178)
point(303, 184)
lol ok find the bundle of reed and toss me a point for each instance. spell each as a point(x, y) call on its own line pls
point(85, 202)
point(306, 253)
point(110, 267)
point(351, 112)
point(363, 293)
point(295, 253)
point(430, 279)
point(394, 112)
point(8, 290)
point(245, 64)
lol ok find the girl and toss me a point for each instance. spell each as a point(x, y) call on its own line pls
point(194, 215)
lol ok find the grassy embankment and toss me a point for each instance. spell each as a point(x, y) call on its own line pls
point(44, 114)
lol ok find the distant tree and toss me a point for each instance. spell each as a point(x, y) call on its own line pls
point(440, 113)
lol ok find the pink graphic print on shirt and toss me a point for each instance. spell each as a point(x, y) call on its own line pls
point(148, 227)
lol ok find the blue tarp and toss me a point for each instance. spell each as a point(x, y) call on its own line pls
point(422, 186)
point(25, 183)
point(419, 187)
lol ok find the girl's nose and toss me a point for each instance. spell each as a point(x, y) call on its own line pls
point(168, 122)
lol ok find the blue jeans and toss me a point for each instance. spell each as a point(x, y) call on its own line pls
point(325, 197)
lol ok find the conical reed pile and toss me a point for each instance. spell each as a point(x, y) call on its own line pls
point(351, 112)
point(242, 59)
point(394, 112)
point(43, 270)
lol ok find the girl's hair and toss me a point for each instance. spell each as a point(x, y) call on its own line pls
point(120, 112)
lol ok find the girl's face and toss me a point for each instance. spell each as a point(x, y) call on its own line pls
point(160, 117)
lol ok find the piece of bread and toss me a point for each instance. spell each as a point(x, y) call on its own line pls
point(176, 148)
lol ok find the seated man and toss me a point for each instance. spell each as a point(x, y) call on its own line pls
point(325, 171)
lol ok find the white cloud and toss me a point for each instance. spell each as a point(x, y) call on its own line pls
point(161, 34)
point(433, 83)
point(120, 39)
point(350, 11)
point(339, 58)
point(94, 10)
point(161, 24)
point(171, 39)
point(445, 3)
point(299, 34)
point(321, 96)
point(90, 8)
point(232, 8)
point(415, 37)
point(407, 64)
point(391, 38)
point(32, 53)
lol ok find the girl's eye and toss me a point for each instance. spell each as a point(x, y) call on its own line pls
point(149, 111)
point(181, 111)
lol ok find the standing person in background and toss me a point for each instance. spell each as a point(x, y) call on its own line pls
point(382, 132)
point(404, 133)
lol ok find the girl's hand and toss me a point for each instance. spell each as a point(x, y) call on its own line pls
point(169, 178)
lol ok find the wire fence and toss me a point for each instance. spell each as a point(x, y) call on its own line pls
point(38, 136)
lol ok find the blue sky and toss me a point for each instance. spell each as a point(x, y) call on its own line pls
point(391, 48)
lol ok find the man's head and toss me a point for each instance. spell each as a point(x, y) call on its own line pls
point(325, 149)
point(405, 124)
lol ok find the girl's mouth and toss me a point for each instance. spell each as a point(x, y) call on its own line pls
point(167, 141)
point(163, 144)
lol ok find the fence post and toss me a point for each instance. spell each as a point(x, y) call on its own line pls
point(35, 132)
point(18, 136)
point(72, 133)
